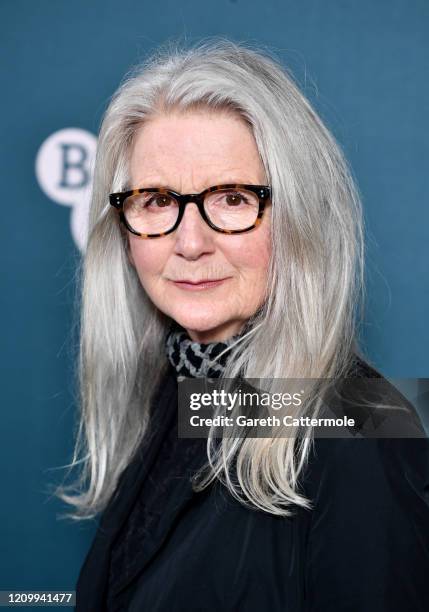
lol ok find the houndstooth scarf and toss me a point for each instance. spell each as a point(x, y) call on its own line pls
point(194, 359)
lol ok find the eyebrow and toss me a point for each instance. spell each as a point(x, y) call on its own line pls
point(160, 185)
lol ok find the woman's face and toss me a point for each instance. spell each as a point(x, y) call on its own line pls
point(188, 153)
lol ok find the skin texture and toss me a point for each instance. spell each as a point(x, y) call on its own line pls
point(188, 153)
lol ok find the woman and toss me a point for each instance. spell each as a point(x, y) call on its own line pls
point(231, 246)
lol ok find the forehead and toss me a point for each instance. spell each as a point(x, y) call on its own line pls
point(194, 151)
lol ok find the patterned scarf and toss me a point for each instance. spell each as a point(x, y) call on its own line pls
point(194, 359)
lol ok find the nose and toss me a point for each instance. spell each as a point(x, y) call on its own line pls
point(193, 236)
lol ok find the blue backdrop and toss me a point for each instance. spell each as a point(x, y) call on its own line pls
point(364, 66)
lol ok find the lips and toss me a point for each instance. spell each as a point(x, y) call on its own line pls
point(207, 280)
point(199, 285)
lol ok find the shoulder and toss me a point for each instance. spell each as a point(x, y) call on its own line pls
point(371, 481)
point(350, 468)
point(367, 543)
point(361, 367)
point(378, 408)
point(391, 442)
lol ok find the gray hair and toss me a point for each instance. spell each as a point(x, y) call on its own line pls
point(306, 327)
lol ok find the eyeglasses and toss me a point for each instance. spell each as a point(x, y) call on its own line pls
point(151, 212)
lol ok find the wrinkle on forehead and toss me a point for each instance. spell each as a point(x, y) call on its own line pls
point(191, 161)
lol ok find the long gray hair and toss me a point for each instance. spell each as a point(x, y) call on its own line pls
point(306, 327)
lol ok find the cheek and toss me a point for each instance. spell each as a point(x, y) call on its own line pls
point(251, 258)
point(148, 258)
point(252, 254)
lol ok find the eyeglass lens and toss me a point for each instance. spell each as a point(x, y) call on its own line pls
point(230, 209)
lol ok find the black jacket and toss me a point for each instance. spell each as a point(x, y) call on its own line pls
point(364, 547)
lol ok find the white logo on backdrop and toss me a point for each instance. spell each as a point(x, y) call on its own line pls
point(64, 170)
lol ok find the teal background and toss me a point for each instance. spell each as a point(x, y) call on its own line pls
point(364, 66)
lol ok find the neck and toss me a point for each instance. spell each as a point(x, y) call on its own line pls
point(222, 333)
point(196, 359)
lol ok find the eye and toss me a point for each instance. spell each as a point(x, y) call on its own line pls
point(158, 201)
point(234, 198)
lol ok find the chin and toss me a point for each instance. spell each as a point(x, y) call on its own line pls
point(211, 329)
point(199, 323)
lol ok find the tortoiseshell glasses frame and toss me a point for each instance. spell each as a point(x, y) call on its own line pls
point(263, 193)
